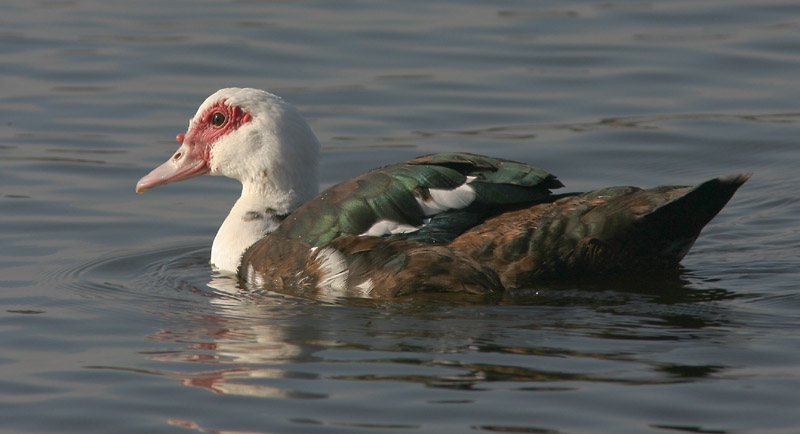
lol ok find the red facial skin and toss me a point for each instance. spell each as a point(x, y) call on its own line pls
point(192, 158)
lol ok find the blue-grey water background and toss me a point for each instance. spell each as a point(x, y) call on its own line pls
point(112, 321)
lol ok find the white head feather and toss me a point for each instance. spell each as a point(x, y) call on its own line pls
point(274, 155)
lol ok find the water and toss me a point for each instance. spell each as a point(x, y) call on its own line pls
point(111, 320)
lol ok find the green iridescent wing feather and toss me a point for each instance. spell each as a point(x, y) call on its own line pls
point(390, 193)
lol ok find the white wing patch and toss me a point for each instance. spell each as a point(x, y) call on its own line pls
point(442, 200)
point(253, 278)
point(334, 269)
point(365, 288)
point(385, 227)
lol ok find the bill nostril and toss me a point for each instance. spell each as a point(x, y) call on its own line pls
point(176, 156)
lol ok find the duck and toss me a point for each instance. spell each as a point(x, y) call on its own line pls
point(451, 222)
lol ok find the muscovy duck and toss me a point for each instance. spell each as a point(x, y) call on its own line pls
point(455, 222)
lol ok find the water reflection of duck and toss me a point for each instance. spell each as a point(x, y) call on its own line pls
point(453, 222)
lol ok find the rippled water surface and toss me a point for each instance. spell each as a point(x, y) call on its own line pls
point(112, 321)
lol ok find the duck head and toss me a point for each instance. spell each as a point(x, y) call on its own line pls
point(252, 136)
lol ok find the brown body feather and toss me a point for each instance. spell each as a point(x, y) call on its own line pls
point(606, 231)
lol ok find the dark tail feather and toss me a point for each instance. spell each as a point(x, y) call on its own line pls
point(676, 224)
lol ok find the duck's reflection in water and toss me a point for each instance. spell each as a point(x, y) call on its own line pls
point(254, 348)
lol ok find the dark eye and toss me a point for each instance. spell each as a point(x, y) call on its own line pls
point(218, 119)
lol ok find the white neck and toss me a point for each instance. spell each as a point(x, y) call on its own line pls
point(258, 212)
point(274, 156)
point(248, 222)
